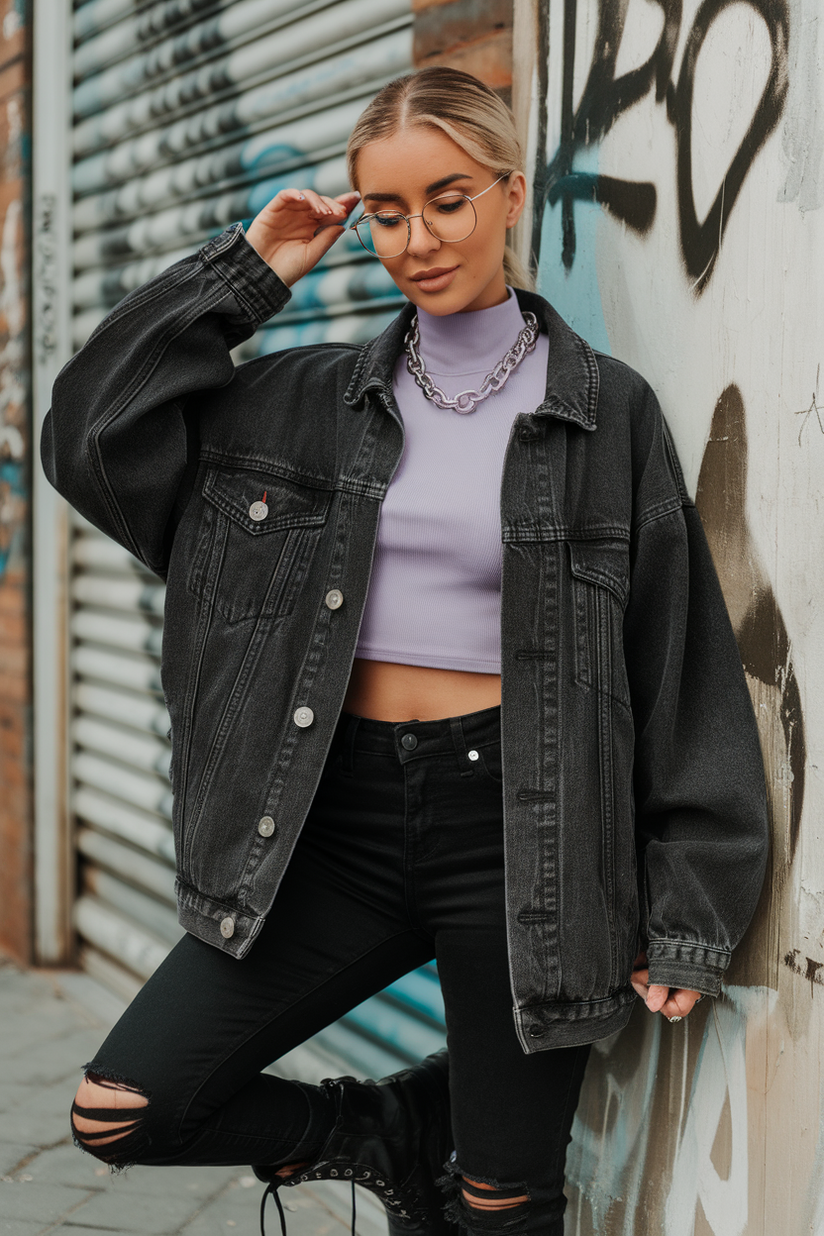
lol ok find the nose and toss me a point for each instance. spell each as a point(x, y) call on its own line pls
point(421, 240)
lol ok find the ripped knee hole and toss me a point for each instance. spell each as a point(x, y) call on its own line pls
point(99, 1111)
point(483, 1196)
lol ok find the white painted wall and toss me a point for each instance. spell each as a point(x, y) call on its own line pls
point(710, 281)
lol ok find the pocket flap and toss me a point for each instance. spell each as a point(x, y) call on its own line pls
point(602, 562)
point(235, 491)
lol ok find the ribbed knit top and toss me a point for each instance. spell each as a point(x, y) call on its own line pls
point(435, 593)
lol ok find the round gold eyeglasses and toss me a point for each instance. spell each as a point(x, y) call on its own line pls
point(449, 217)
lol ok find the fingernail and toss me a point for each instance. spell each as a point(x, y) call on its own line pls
point(673, 1020)
point(301, 198)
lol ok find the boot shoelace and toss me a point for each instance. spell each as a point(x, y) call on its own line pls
point(272, 1189)
point(381, 1187)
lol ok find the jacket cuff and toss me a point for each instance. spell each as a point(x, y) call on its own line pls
point(255, 285)
point(675, 963)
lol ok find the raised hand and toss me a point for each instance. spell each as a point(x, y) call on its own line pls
point(297, 227)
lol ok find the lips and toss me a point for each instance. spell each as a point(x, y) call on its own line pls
point(438, 279)
point(434, 273)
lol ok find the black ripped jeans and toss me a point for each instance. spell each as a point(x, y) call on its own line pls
point(400, 860)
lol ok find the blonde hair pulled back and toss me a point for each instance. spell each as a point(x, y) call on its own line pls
point(463, 108)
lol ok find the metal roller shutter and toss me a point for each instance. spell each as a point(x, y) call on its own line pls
point(188, 115)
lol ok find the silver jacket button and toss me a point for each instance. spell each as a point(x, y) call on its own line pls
point(334, 598)
point(266, 826)
point(258, 511)
point(473, 755)
point(227, 928)
point(304, 717)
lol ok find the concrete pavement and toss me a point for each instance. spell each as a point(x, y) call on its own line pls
point(51, 1022)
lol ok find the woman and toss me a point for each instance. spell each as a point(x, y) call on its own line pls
point(518, 740)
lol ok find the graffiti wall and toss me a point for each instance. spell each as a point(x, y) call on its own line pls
point(15, 800)
point(677, 218)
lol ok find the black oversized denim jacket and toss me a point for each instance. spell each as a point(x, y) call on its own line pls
point(634, 800)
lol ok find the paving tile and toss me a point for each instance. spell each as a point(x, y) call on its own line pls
point(139, 1211)
point(12, 1153)
point(19, 1227)
point(236, 1213)
point(43, 1204)
point(52, 1061)
point(71, 1229)
point(197, 1182)
point(38, 1128)
point(66, 1165)
point(12, 1094)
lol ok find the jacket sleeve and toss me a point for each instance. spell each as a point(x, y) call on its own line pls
point(700, 799)
point(120, 439)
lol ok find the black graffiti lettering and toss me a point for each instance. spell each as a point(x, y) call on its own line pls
point(606, 97)
point(812, 971)
point(815, 409)
point(701, 242)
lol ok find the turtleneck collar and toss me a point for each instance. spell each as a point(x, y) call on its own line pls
point(461, 343)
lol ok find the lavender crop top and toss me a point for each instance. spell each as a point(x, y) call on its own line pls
point(435, 593)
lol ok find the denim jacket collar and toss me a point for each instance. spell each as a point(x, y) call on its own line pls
point(572, 377)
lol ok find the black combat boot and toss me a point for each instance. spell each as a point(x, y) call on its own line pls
point(393, 1137)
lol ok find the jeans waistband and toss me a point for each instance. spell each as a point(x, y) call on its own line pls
point(410, 740)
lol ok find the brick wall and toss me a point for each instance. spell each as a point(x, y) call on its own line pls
point(15, 659)
point(473, 35)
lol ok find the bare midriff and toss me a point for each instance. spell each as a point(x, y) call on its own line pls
point(386, 691)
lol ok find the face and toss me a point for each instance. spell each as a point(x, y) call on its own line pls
point(404, 172)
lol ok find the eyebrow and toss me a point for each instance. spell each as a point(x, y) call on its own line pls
point(433, 188)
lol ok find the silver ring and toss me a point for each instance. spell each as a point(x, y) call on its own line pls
point(672, 1020)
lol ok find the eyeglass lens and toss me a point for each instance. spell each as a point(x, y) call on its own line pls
point(450, 217)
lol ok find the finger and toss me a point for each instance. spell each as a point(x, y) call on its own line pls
point(640, 983)
point(657, 997)
point(640, 989)
point(680, 1003)
point(322, 207)
point(349, 200)
point(324, 237)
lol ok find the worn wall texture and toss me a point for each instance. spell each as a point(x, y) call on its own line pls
point(15, 760)
point(473, 35)
point(677, 149)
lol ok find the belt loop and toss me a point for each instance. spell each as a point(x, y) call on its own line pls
point(459, 742)
point(347, 755)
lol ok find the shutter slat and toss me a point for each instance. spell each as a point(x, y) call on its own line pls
point(124, 820)
point(135, 868)
point(281, 77)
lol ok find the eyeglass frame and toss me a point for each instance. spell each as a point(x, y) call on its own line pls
point(353, 227)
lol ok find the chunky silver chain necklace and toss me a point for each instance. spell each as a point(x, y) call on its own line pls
point(467, 401)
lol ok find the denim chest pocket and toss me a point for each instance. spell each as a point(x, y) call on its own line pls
point(257, 538)
point(600, 588)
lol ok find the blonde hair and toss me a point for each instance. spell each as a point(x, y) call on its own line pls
point(462, 107)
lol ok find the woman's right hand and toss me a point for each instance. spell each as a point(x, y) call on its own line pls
point(297, 227)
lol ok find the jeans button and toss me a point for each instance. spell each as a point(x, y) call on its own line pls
point(304, 717)
point(536, 1032)
point(473, 755)
point(409, 742)
point(227, 928)
point(258, 511)
point(266, 826)
point(334, 598)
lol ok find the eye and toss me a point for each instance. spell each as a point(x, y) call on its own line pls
point(387, 219)
point(449, 205)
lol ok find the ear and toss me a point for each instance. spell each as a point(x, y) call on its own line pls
point(517, 198)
